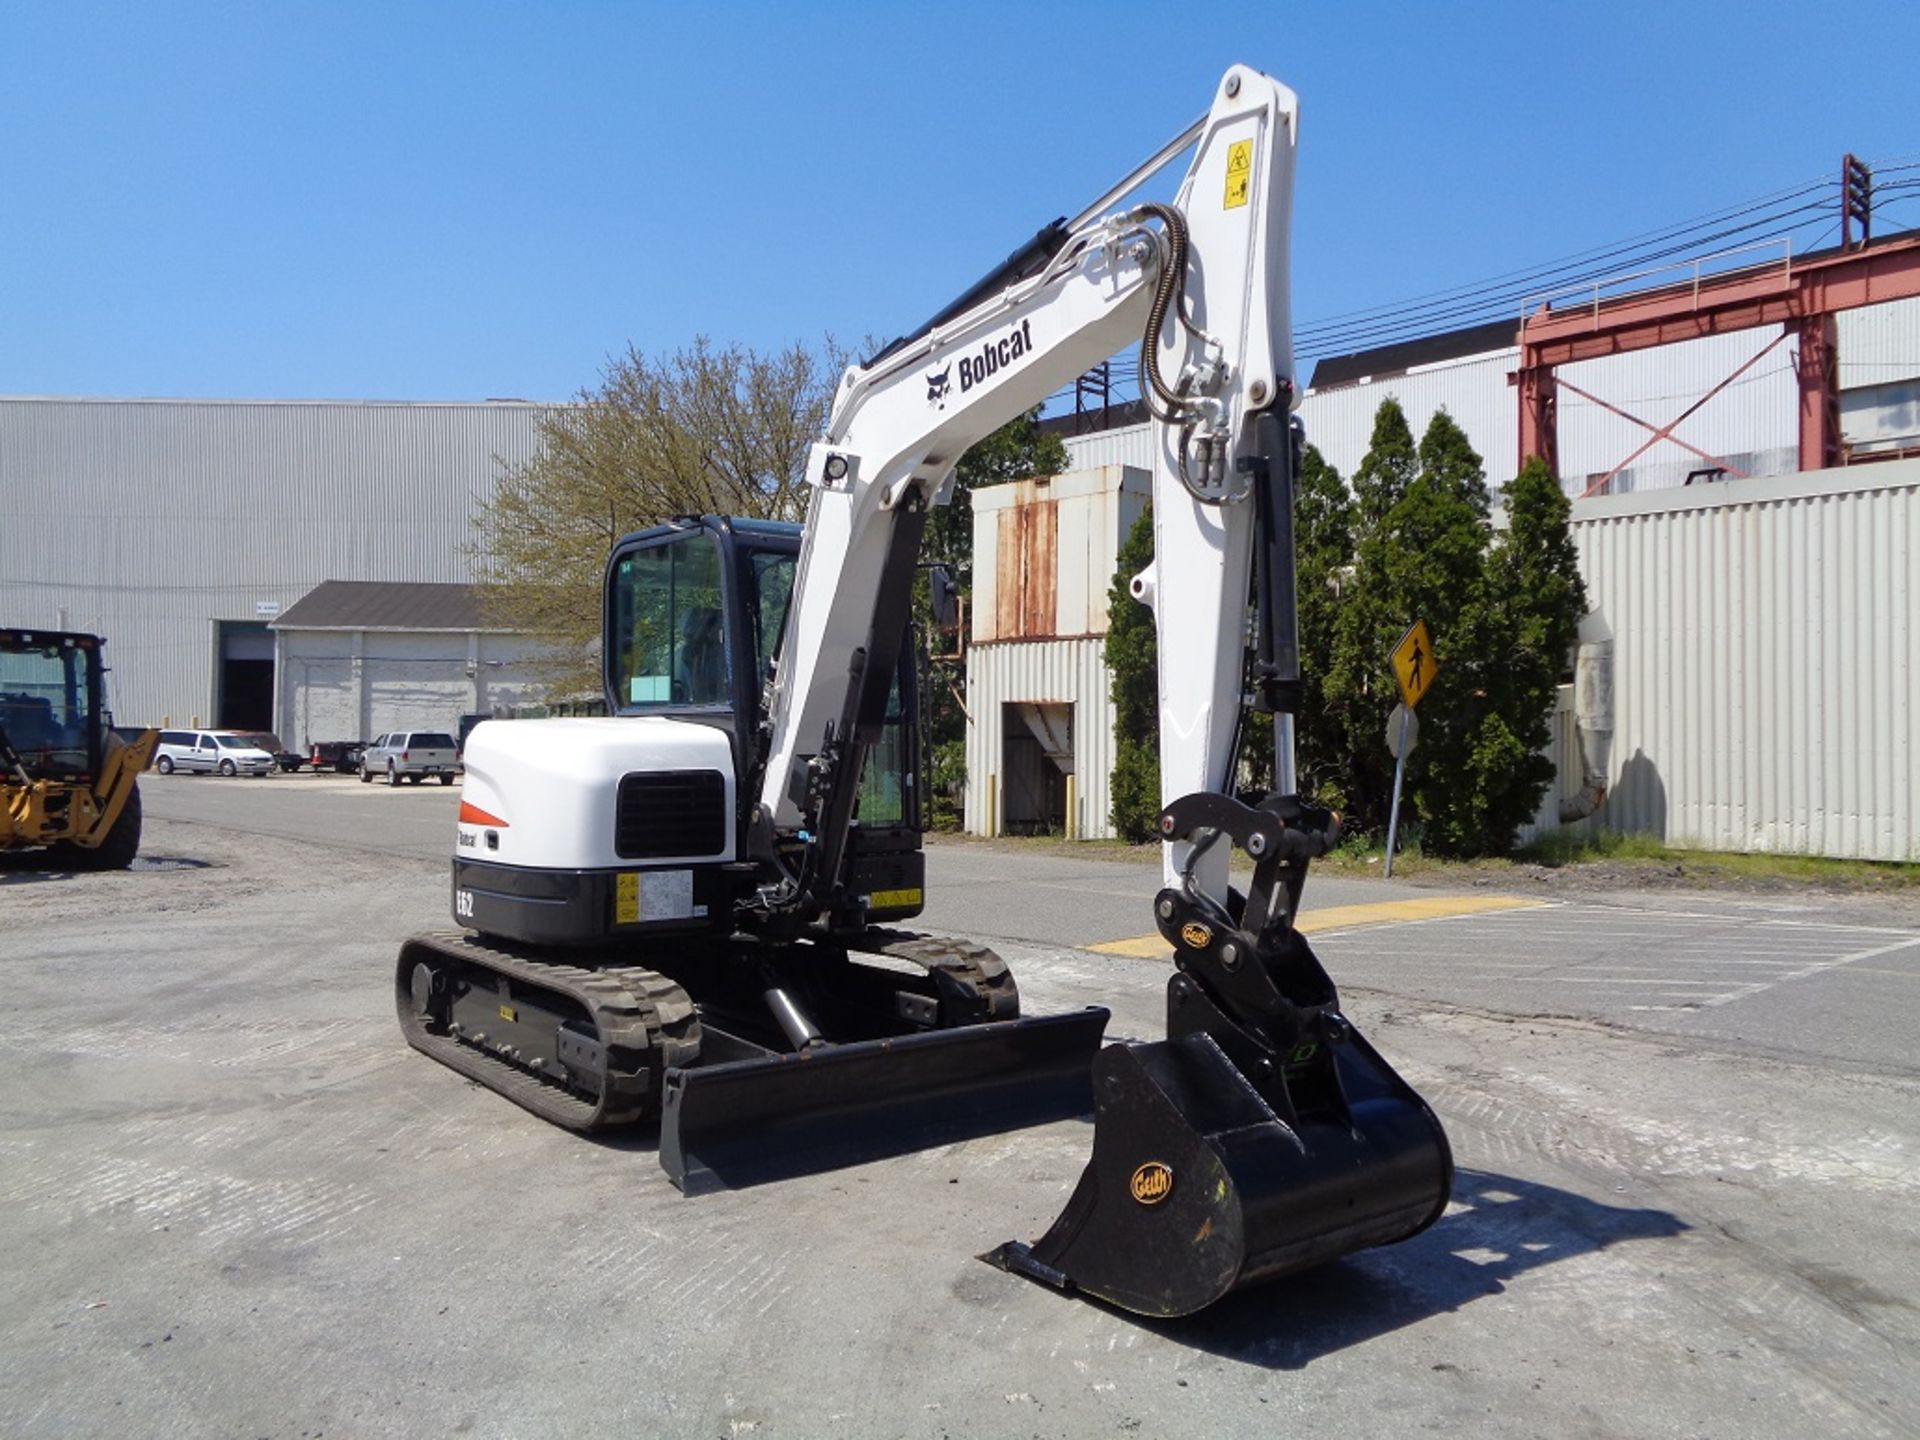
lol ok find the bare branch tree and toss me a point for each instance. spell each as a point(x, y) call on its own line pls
point(708, 429)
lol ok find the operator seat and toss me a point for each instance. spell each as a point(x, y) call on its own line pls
point(700, 667)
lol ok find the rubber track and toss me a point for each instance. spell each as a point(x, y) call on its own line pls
point(631, 1008)
point(973, 966)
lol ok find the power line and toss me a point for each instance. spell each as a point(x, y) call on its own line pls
point(1324, 339)
point(1612, 248)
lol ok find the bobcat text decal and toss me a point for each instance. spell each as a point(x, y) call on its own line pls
point(995, 356)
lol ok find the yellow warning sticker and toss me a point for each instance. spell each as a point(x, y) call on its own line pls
point(893, 899)
point(1239, 174)
point(626, 898)
point(507, 1012)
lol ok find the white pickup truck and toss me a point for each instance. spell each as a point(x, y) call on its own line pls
point(411, 755)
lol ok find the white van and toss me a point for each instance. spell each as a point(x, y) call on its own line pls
point(214, 752)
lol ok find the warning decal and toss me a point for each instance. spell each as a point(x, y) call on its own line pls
point(1239, 174)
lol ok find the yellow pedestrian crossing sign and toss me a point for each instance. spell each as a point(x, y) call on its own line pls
point(1413, 663)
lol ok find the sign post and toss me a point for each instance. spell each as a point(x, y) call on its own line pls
point(1414, 668)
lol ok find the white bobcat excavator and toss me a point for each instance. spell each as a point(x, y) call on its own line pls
point(676, 910)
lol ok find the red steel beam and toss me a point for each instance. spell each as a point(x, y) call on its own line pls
point(1774, 295)
point(1802, 295)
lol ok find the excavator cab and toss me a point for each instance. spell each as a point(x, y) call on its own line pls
point(695, 612)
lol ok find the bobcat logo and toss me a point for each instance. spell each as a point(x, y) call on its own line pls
point(939, 387)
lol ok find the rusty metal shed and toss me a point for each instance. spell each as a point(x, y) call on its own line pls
point(1040, 740)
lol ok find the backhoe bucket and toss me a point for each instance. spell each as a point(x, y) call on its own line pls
point(1197, 1187)
point(744, 1122)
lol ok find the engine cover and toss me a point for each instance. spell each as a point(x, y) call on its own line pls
point(634, 792)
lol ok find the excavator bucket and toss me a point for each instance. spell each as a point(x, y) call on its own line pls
point(1264, 1135)
point(776, 1115)
point(1197, 1187)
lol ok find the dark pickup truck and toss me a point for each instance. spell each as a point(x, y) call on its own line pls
point(340, 756)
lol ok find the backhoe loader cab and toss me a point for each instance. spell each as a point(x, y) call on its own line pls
point(51, 686)
point(67, 782)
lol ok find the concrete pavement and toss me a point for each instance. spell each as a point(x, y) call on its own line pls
point(233, 1202)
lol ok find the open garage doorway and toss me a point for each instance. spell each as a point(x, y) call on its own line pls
point(243, 698)
point(1036, 767)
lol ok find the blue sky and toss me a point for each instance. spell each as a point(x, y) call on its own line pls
point(465, 201)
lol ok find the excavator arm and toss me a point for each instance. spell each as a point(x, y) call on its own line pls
point(1200, 285)
point(1264, 1135)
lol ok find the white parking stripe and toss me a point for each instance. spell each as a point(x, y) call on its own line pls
point(1817, 968)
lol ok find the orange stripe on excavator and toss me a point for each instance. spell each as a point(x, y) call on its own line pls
point(474, 815)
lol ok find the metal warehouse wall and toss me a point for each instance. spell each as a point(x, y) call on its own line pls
point(352, 685)
point(1052, 671)
point(1766, 693)
point(1753, 424)
point(1473, 390)
point(1047, 580)
point(1879, 343)
point(1044, 555)
point(151, 520)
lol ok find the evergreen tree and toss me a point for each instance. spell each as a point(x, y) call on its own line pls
point(1132, 651)
point(1323, 558)
point(1421, 558)
point(1516, 636)
point(1447, 459)
point(1388, 468)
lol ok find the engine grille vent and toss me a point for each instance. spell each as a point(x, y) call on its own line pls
point(671, 813)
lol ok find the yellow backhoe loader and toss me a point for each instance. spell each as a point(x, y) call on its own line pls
point(68, 782)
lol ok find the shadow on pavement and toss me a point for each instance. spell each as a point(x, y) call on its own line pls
point(26, 867)
point(1499, 1227)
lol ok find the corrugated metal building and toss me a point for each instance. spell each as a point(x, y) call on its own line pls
point(354, 658)
point(1765, 693)
point(1040, 740)
point(1765, 697)
point(180, 528)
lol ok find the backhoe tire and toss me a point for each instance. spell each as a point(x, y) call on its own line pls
point(116, 852)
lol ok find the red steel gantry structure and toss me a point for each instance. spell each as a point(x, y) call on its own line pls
point(1801, 296)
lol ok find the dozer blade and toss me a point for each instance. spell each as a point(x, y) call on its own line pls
point(1197, 1188)
point(744, 1122)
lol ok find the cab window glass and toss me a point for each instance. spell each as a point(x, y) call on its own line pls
point(883, 781)
point(773, 592)
point(45, 709)
point(669, 625)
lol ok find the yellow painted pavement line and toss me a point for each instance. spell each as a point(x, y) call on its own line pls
point(1349, 917)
